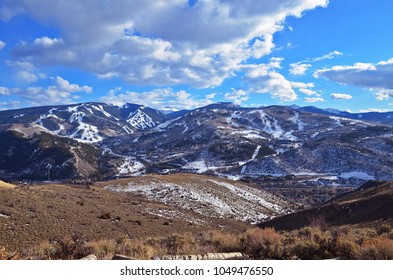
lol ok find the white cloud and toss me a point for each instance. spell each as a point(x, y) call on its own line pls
point(28, 77)
point(159, 98)
point(65, 85)
point(372, 76)
point(384, 94)
point(263, 78)
point(60, 93)
point(308, 91)
point(330, 55)
point(2, 45)
point(155, 42)
point(9, 105)
point(299, 68)
point(341, 96)
point(4, 91)
point(375, 110)
point(314, 99)
point(237, 96)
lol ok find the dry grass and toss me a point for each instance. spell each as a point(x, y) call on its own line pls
point(379, 248)
point(103, 249)
point(256, 243)
point(135, 248)
point(33, 214)
point(4, 185)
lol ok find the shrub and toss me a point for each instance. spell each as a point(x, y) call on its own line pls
point(346, 248)
point(263, 243)
point(45, 251)
point(179, 244)
point(307, 250)
point(135, 249)
point(224, 242)
point(70, 248)
point(379, 248)
point(103, 249)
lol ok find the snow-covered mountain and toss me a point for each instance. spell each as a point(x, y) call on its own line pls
point(319, 146)
point(86, 122)
point(273, 141)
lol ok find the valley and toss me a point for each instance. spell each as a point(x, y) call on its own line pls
point(105, 172)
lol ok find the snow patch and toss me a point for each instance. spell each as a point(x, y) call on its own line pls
point(357, 174)
point(140, 120)
point(212, 200)
point(295, 119)
point(131, 166)
point(85, 132)
point(199, 165)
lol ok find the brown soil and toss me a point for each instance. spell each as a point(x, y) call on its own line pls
point(30, 215)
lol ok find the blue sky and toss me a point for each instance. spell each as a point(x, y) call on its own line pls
point(185, 54)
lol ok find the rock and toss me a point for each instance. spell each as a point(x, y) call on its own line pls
point(89, 258)
point(121, 257)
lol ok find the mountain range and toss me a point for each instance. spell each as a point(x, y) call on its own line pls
point(100, 141)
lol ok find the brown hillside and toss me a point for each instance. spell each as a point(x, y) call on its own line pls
point(156, 206)
point(370, 204)
point(4, 185)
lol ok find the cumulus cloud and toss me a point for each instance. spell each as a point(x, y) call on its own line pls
point(308, 91)
point(264, 78)
point(372, 76)
point(314, 99)
point(299, 68)
point(62, 92)
point(237, 96)
point(384, 94)
point(155, 42)
point(158, 98)
point(28, 77)
point(341, 96)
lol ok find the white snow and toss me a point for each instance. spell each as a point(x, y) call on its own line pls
point(165, 124)
point(249, 134)
point(72, 109)
point(131, 166)
point(295, 119)
point(102, 110)
point(337, 120)
point(249, 194)
point(219, 199)
point(271, 127)
point(140, 120)
point(256, 152)
point(18, 116)
point(198, 165)
point(128, 130)
point(186, 128)
point(356, 174)
point(85, 132)
point(244, 167)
